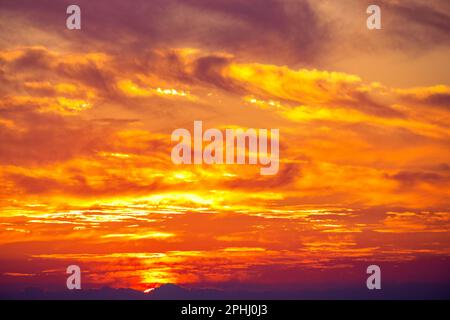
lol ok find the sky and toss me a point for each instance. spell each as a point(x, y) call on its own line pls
point(86, 118)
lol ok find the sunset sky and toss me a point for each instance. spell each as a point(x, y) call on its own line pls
point(86, 118)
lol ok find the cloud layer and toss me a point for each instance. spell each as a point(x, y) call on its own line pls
point(85, 124)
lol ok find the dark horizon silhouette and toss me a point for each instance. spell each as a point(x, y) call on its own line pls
point(174, 292)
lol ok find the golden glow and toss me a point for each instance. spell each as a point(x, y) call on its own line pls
point(87, 177)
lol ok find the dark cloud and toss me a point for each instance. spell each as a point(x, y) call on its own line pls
point(36, 58)
point(275, 29)
point(418, 23)
point(77, 185)
point(438, 96)
point(209, 70)
point(440, 99)
point(87, 73)
point(32, 185)
point(48, 137)
point(287, 28)
point(288, 174)
point(365, 103)
point(410, 178)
